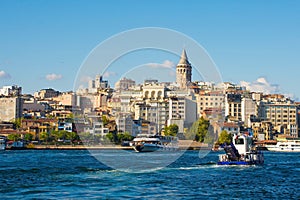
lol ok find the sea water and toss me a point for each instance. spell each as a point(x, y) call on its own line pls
point(76, 174)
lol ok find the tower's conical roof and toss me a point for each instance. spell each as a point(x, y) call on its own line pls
point(184, 59)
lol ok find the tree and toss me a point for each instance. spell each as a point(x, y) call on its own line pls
point(71, 136)
point(124, 137)
point(199, 130)
point(171, 130)
point(44, 136)
point(224, 137)
point(111, 137)
point(28, 137)
point(14, 137)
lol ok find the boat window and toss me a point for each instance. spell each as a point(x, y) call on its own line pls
point(239, 141)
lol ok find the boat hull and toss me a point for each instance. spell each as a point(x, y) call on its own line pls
point(146, 148)
point(239, 163)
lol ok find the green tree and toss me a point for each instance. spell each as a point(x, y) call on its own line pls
point(171, 130)
point(124, 137)
point(71, 136)
point(199, 130)
point(44, 136)
point(28, 137)
point(224, 137)
point(112, 137)
point(14, 137)
point(53, 136)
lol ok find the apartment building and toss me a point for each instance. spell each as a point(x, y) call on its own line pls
point(10, 108)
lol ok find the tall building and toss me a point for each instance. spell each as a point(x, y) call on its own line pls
point(209, 100)
point(233, 106)
point(10, 108)
point(183, 71)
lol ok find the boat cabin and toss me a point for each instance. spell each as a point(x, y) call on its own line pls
point(243, 143)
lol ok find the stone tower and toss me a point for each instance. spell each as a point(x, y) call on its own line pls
point(183, 71)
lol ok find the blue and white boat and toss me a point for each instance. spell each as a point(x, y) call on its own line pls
point(150, 143)
point(241, 152)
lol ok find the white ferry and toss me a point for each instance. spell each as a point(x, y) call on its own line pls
point(241, 152)
point(2, 143)
point(285, 146)
point(150, 143)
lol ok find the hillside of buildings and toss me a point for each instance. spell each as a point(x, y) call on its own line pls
point(100, 114)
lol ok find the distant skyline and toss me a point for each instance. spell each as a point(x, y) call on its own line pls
point(255, 43)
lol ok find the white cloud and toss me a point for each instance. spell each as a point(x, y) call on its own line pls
point(53, 77)
point(261, 85)
point(4, 75)
point(166, 64)
point(109, 74)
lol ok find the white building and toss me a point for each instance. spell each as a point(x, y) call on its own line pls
point(97, 128)
point(184, 108)
point(13, 90)
point(125, 123)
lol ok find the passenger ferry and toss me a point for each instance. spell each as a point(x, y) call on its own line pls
point(241, 152)
point(2, 143)
point(150, 143)
point(285, 146)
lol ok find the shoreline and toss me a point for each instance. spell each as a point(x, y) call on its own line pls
point(82, 147)
point(183, 145)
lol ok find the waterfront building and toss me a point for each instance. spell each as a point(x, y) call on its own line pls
point(182, 111)
point(38, 126)
point(97, 128)
point(154, 111)
point(282, 114)
point(262, 130)
point(126, 123)
point(11, 108)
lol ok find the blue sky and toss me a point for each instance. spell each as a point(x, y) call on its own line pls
point(246, 39)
